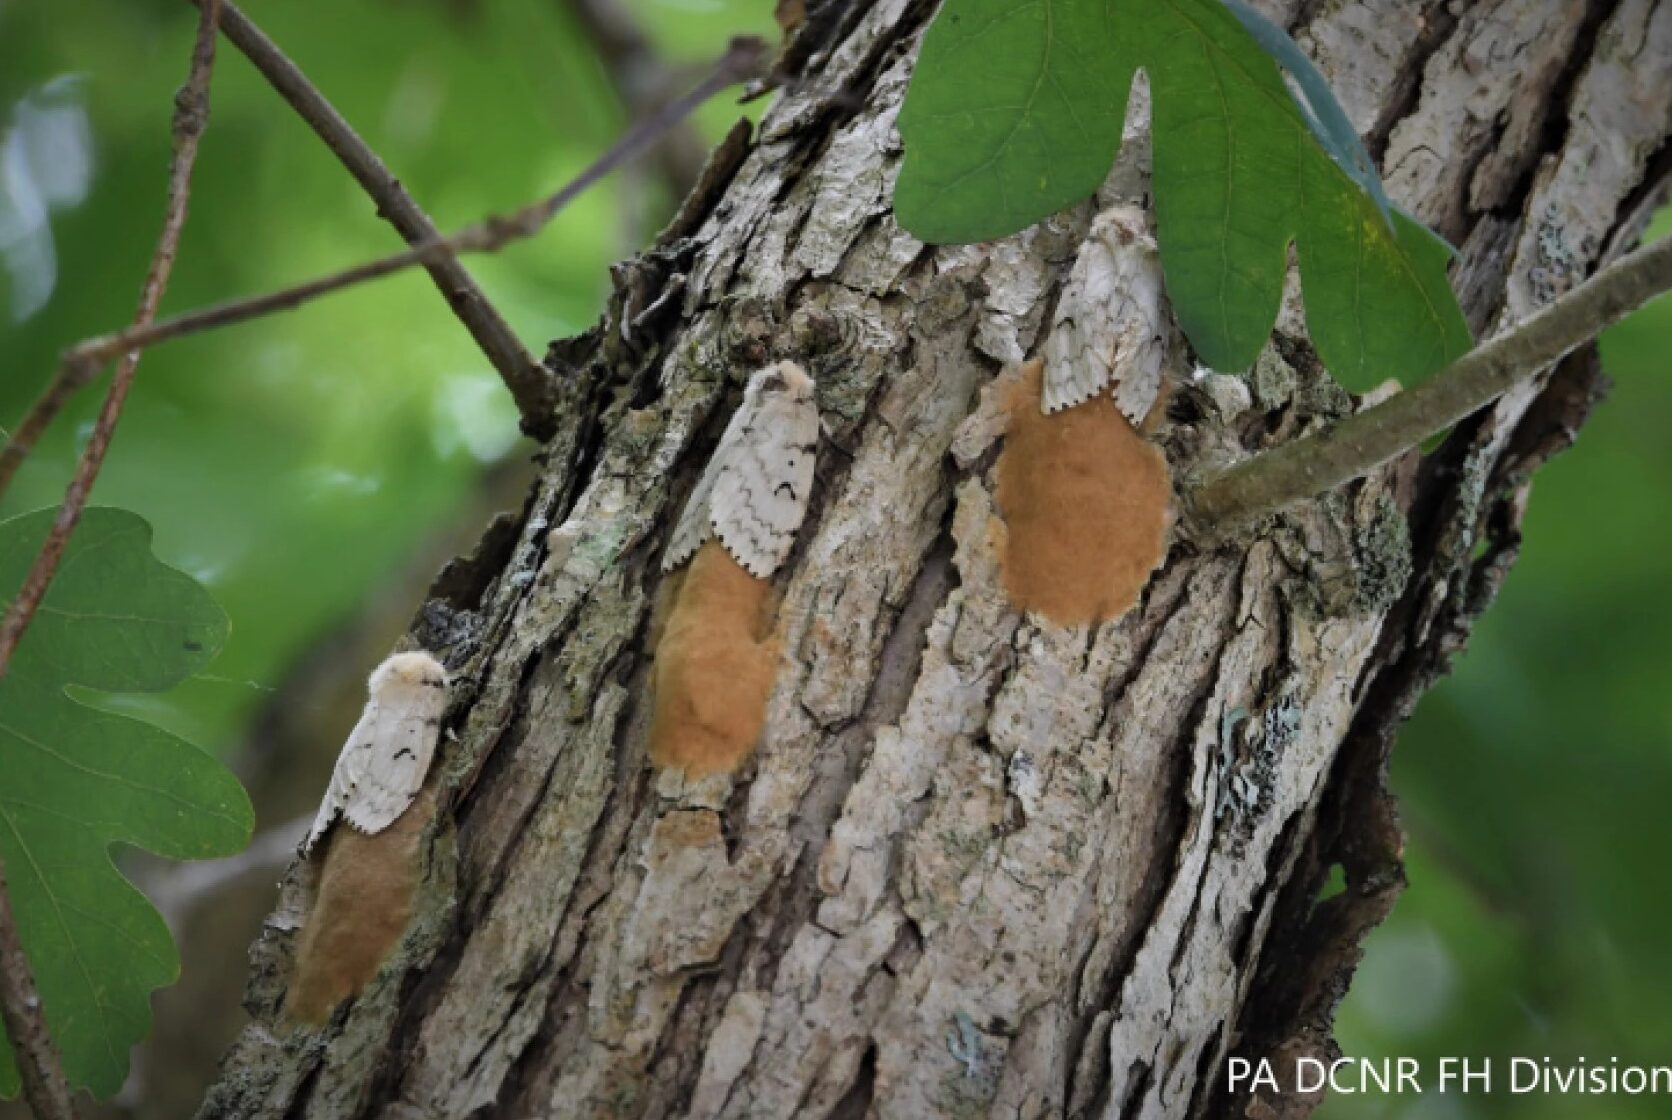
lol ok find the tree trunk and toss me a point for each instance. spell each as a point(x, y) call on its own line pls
point(979, 865)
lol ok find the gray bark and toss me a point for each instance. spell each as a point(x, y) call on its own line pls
point(979, 865)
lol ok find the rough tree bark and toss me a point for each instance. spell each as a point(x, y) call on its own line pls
point(979, 866)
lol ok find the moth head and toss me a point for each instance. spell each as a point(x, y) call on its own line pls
point(1124, 225)
point(414, 668)
point(781, 381)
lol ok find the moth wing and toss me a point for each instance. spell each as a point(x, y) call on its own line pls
point(340, 792)
point(1077, 364)
point(696, 521)
point(329, 808)
point(1110, 325)
point(761, 489)
point(1141, 338)
point(390, 760)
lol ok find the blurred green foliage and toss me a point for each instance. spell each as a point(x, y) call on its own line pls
point(294, 462)
point(1534, 783)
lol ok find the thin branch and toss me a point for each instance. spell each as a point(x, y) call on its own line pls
point(743, 59)
point(642, 80)
point(1360, 443)
point(65, 384)
point(522, 373)
point(191, 115)
point(191, 110)
point(38, 1061)
point(41, 1066)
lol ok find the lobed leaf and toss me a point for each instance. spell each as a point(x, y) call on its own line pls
point(1016, 109)
point(993, 150)
point(1323, 113)
point(74, 780)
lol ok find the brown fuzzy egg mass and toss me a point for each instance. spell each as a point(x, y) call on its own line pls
point(715, 665)
point(1085, 502)
point(361, 909)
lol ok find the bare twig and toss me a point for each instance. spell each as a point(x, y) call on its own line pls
point(191, 114)
point(42, 1068)
point(64, 385)
point(38, 1061)
point(744, 58)
point(522, 373)
point(1360, 443)
point(642, 80)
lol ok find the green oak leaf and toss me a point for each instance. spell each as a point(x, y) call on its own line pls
point(992, 151)
point(74, 780)
point(1015, 111)
point(1324, 114)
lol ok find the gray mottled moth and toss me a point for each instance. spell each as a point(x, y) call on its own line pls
point(753, 494)
point(383, 763)
point(1110, 328)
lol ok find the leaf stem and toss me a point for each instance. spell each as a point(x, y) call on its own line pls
point(1360, 443)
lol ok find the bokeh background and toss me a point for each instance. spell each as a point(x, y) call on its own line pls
point(314, 468)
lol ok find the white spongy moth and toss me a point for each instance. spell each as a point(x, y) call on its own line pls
point(1110, 327)
point(753, 494)
point(383, 763)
